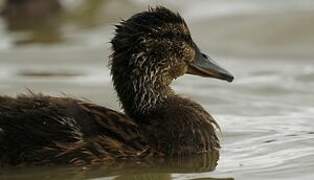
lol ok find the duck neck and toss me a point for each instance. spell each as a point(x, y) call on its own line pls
point(140, 95)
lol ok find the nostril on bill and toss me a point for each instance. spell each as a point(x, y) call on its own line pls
point(204, 56)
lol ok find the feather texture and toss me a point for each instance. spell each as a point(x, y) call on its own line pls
point(150, 50)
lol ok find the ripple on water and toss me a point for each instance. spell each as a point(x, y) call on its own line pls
point(306, 77)
point(264, 146)
point(49, 73)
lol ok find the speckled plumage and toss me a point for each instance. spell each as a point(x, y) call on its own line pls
point(149, 50)
point(40, 129)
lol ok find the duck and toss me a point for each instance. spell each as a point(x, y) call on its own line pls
point(40, 20)
point(14, 9)
point(149, 50)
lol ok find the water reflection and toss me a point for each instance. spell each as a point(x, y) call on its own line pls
point(87, 13)
point(266, 115)
point(148, 169)
point(38, 19)
point(43, 74)
point(45, 22)
point(157, 168)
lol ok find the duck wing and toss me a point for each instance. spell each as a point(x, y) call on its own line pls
point(42, 129)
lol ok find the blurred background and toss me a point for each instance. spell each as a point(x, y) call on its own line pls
point(61, 47)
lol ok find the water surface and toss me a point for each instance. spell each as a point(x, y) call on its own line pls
point(266, 114)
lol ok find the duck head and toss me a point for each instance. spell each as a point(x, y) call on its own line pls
point(151, 49)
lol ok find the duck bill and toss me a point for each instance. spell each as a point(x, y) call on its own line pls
point(206, 67)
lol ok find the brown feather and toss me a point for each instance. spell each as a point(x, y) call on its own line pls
point(149, 50)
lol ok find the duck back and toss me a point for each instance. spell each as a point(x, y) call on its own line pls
point(42, 129)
